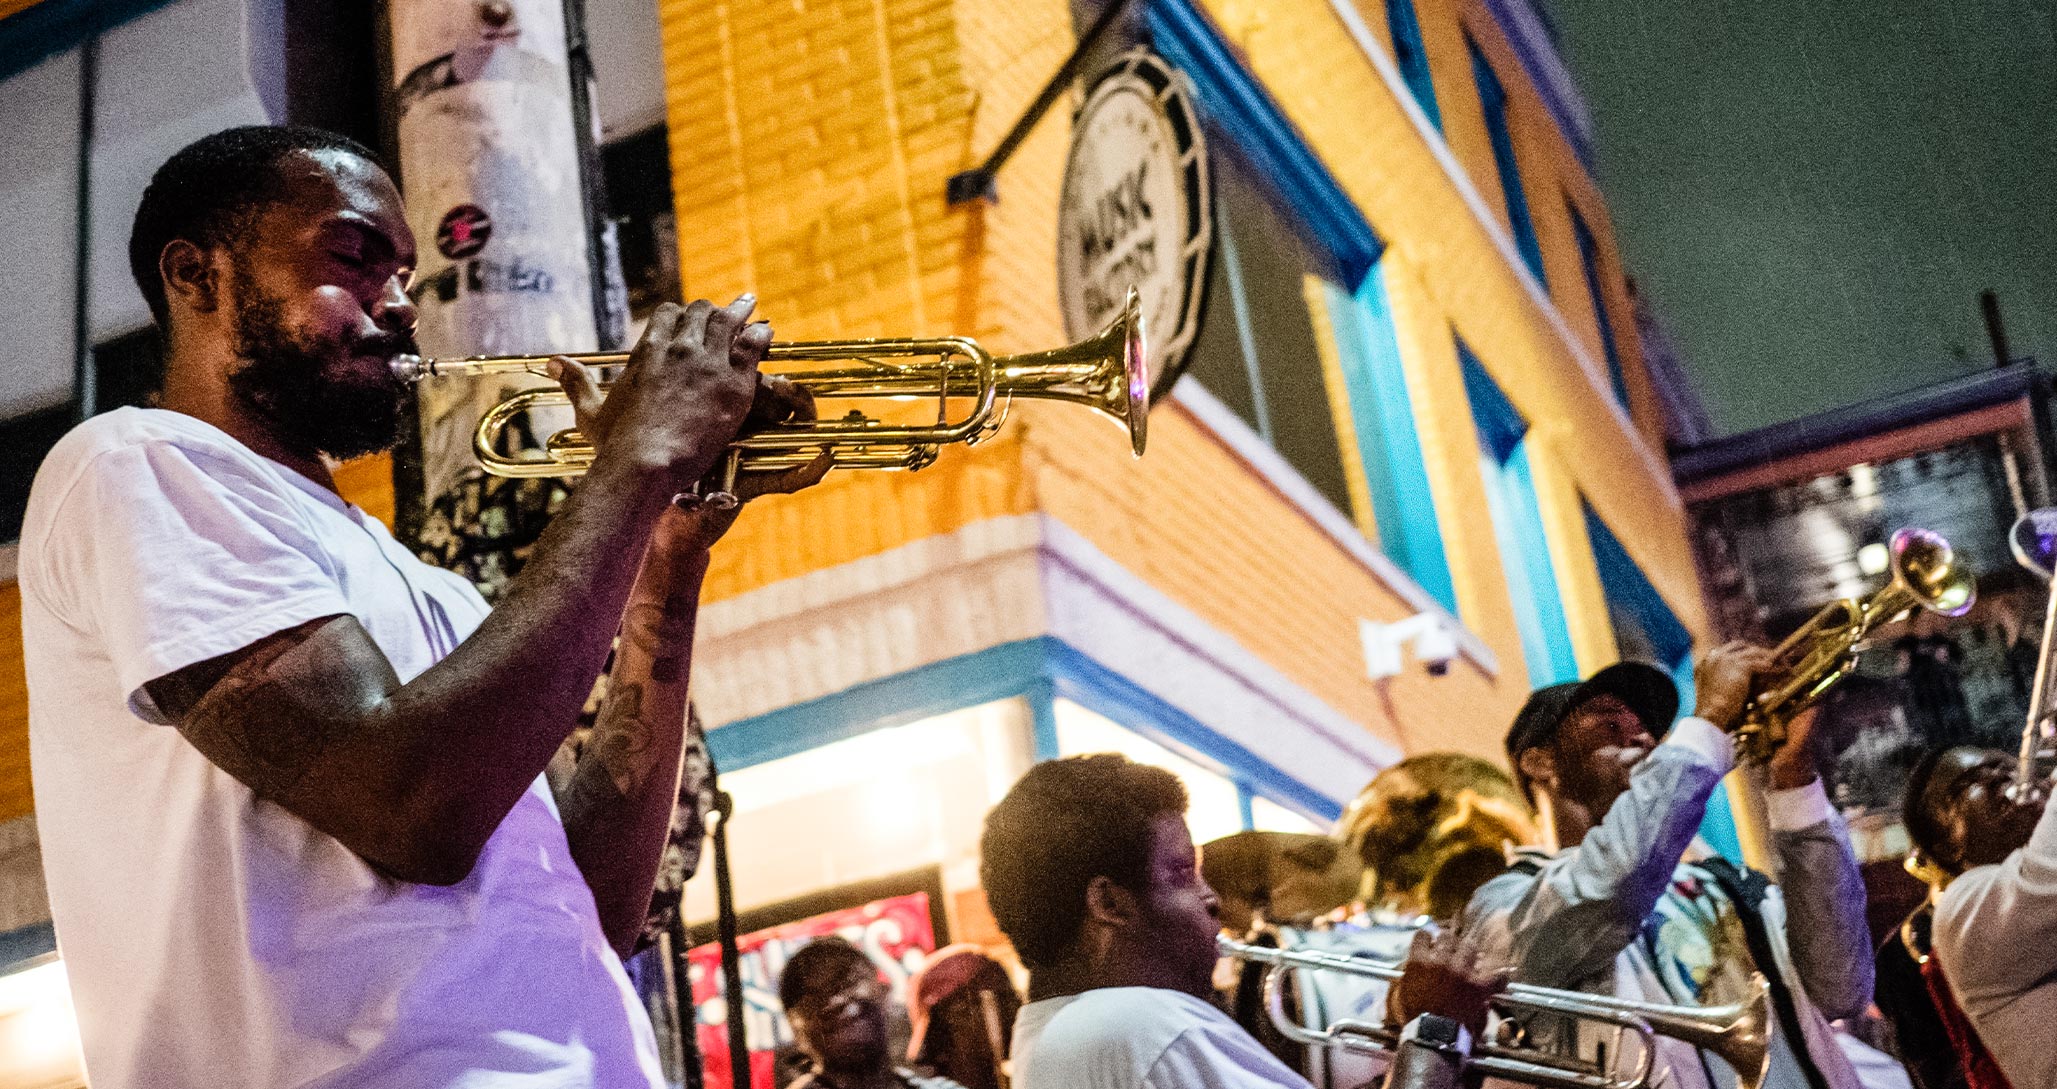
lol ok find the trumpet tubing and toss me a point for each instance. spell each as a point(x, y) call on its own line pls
point(1739, 1033)
point(1107, 372)
point(1820, 654)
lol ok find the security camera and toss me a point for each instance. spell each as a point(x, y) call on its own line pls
point(1436, 646)
point(1433, 635)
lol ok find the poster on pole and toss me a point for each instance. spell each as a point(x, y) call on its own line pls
point(481, 102)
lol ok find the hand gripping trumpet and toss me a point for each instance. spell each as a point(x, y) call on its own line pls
point(1738, 1033)
point(1813, 659)
point(1106, 372)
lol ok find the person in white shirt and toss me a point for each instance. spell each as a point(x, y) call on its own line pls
point(1615, 911)
point(288, 778)
point(1995, 921)
point(1090, 871)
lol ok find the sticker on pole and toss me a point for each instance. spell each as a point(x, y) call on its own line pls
point(463, 231)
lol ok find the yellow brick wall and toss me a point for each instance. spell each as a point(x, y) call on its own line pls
point(1454, 279)
point(913, 103)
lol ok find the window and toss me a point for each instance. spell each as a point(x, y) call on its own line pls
point(1518, 527)
point(1493, 100)
point(1412, 58)
point(1401, 510)
point(1214, 808)
point(1589, 261)
point(1256, 350)
point(862, 807)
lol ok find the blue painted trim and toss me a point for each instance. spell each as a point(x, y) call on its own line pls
point(1589, 260)
point(31, 36)
point(24, 944)
point(1493, 100)
point(1535, 43)
point(1518, 528)
point(1628, 590)
point(1382, 414)
point(1039, 669)
point(1246, 805)
point(1412, 57)
point(1500, 425)
point(1631, 597)
point(1042, 699)
point(1010, 669)
point(1238, 111)
point(1089, 684)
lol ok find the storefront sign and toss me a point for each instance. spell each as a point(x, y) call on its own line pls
point(895, 933)
point(1135, 210)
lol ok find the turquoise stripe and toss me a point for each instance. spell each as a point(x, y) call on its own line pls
point(1382, 415)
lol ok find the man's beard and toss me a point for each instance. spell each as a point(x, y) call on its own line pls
point(314, 404)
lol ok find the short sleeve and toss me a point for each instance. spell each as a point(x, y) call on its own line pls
point(1207, 1057)
point(171, 555)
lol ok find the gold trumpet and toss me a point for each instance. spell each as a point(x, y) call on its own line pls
point(1813, 659)
point(1107, 372)
point(1739, 1033)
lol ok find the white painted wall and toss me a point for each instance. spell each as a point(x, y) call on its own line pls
point(628, 65)
point(165, 79)
point(39, 148)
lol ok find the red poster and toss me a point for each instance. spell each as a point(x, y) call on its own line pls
point(894, 932)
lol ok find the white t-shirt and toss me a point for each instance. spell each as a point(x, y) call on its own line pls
point(1139, 1038)
point(215, 940)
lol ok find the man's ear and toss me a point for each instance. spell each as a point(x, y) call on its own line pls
point(190, 275)
point(1539, 765)
point(1109, 904)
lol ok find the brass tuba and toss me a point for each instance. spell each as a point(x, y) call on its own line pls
point(1738, 1033)
point(1813, 659)
point(1107, 372)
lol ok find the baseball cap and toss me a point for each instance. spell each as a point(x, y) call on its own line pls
point(947, 971)
point(1646, 689)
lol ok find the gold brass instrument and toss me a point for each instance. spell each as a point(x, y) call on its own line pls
point(2033, 540)
point(1107, 372)
point(1739, 1033)
point(1813, 659)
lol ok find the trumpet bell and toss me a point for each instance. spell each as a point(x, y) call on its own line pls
point(1925, 563)
point(1108, 372)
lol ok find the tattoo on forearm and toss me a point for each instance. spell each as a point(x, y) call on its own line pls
point(657, 627)
point(622, 741)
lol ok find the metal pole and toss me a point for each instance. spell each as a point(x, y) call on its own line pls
point(85, 382)
point(725, 933)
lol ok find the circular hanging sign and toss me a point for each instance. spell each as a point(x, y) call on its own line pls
point(1135, 210)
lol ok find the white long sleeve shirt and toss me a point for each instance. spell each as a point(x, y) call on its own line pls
point(1996, 933)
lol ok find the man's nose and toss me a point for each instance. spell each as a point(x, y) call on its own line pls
point(393, 310)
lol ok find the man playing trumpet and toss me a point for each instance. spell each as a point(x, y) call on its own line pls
point(288, 778)
point(1615, 912)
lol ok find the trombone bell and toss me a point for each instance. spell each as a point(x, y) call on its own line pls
point(1108, 372)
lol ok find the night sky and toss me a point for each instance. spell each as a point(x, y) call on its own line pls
point(1813, 192)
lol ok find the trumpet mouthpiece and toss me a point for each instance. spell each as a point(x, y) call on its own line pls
point(409, 369)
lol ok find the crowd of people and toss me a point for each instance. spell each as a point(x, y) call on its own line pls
point(322, 762)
